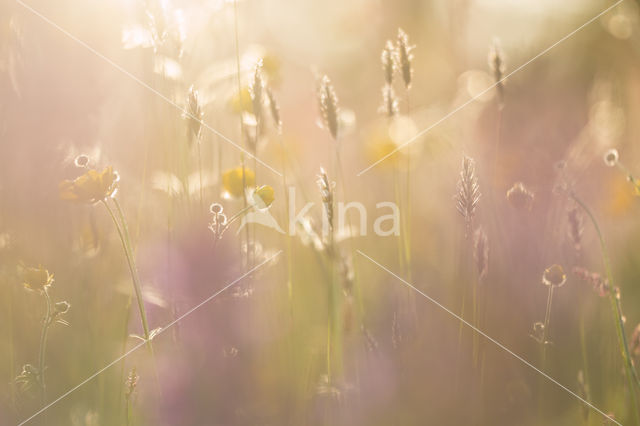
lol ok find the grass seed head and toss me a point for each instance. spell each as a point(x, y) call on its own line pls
point(389, 63)
point(256, 89)
point(481, 253)
point(497, 66)
point(468, 191)
point(574, 218)
point(193, 116)
point(274, 109)
point(329, 106)
point(327, 192)
point(404, 57)
point(599, 284)
point(389, 105)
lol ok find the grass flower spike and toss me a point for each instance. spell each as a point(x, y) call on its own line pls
point(389, 63)
point(194, 116)
point(468, 192)
point(329, 106)
point(404, 57)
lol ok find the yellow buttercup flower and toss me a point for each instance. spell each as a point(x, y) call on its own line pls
point(91, 187)
point(381, 145)
point(241, 103)
point(232, 181)
point(264, 196)
point(36, 279)
point(271, 67)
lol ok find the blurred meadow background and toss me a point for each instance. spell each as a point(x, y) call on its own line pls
point(137, 137)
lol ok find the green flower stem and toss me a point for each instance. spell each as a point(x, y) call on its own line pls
point(237, 215)
point(287, 224)
point(46, 322)
point(124, 239)
point(547, 315)
point(242, 159)
point(614, 300)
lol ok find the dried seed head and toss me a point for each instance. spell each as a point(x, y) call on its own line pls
point(274, 109)
point(554, 276)
point(520, 197)
point(389, 105)
point(599, 284)
point(327, 190)
point(132, 382)
point(396, 332)
point(61, 308)
point(215, 208)
point(389, 63)
point(405, 57)
point(256, 89)
point(371, 344)
point(497, 66)
point(481, 253)
point(82, 161)
point(575, 226)
point(328, 106)
point(28, 378)
point(193, 116)
point(468, 192)
point(611, 157)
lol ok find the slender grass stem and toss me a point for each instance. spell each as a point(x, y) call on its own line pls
point(127, 313)
point(46, 322)
point(242, 141)
point(614, 299)
point(356, 282)
point(585, 363)
point(11, 340)
point(289, 250)
point(547, 319)
point(199, 142)
point(396, 187)
point(407, 215)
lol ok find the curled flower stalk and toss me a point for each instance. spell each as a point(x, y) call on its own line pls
point(614, 300)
